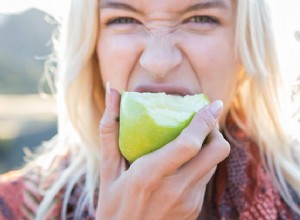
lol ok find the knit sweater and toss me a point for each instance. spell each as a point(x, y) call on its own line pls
point(240, 189)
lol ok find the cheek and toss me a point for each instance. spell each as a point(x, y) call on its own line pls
point(216, 67)
point(117, 56)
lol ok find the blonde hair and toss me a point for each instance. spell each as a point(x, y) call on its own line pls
point(81, 103)
point(265, 101)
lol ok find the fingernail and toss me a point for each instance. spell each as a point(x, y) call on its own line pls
point(107, 94)
point(216, 108)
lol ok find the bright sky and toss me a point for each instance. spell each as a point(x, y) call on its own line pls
point(54, 7)
point(286, 16)
point(286, 19)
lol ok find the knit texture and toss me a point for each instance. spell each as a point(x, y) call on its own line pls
point(240, 189)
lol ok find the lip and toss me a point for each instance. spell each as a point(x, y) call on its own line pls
point(168, 89)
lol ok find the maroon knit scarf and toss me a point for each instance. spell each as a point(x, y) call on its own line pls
point(242, 188)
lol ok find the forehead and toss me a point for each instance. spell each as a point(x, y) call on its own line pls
point(171, 5)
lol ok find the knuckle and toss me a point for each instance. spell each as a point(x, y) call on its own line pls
point(172, 195)
point(188, 144)
point(222, 146)
point(191, 206)
point(105, 128)
point(206, 120)
point(226, 147)
point(142, 178)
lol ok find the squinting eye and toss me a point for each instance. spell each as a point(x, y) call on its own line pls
point(123, 20)
point(203, 19)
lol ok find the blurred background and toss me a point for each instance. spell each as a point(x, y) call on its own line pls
point(26, 117)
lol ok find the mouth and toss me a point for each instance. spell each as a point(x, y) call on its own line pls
point(168, 89)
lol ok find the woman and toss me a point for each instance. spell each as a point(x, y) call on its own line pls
point(222, 48)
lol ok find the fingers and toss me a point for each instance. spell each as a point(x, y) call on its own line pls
point(215, 151)
point(111, 160)
point(188, 143)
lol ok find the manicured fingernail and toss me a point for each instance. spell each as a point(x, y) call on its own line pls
point(216, 108)
point(107, 94)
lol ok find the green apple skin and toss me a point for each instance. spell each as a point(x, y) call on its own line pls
point(139, 134)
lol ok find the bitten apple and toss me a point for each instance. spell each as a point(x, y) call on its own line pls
point(148, 121)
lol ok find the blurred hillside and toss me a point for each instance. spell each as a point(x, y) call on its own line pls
point(26, 119)
point(24, 40)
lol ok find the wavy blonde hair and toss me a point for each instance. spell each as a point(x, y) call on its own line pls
point(80, 95)
point(265, 101)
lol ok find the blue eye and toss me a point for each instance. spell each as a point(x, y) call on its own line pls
point(203, 19)
point(123, 20)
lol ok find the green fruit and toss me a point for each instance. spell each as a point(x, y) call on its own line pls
point(149, 121)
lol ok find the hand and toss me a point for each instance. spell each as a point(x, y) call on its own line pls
point(169, 183)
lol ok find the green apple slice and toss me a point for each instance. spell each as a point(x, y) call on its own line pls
point(149, 121)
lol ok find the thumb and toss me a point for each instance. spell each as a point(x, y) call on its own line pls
point(111, 159)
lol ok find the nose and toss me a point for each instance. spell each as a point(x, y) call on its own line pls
point(160, 55)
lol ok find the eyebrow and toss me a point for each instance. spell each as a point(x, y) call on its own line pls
point(198, 6)
point(206, 5)
point(118, 5)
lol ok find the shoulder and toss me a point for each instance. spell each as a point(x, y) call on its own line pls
point(19, 194)
point(11, 195)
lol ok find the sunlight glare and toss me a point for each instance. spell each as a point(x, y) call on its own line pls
point(53, 7)
point(286, 20)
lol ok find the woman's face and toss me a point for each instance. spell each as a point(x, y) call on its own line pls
point(178, 47)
